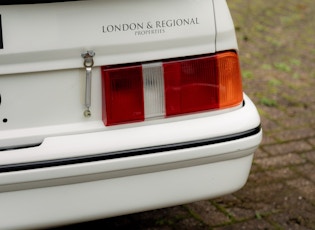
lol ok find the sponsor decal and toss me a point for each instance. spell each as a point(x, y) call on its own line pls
point(150, 27)
point(1, 40)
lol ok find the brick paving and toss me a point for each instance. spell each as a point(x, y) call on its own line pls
point(277, 50)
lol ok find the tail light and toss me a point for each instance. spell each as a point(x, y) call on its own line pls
point(123, 89)
point(173, 87)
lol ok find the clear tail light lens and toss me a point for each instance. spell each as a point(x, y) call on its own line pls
point(168, 88)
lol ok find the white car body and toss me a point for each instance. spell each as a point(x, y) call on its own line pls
point(58, 166)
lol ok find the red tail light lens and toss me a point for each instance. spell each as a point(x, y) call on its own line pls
point(123, 90)
point(191, 86)
point(168, 88)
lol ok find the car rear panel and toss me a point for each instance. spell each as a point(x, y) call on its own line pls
point(42, 75)
point(52, 36)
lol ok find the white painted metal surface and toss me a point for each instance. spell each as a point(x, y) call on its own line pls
point(42, 80)
point(40, 37)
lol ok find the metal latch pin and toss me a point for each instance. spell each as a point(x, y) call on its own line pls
point(88, 64)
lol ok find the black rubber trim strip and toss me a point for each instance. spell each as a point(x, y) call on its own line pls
point(1, 38)
point(126, 153)
point(26, 2)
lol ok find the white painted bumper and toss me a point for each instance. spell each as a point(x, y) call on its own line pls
point(52, 192)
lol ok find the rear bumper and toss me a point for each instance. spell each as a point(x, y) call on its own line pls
point(130, 153)
point(78, 179)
